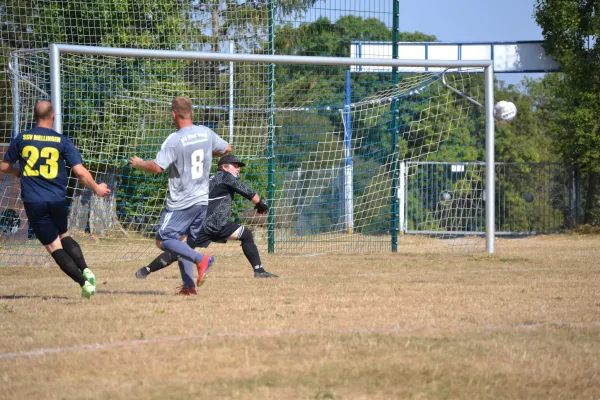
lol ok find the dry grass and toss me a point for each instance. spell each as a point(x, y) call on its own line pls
point(522, 323)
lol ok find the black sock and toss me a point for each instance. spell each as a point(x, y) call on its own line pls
point(68, 266)
point(74, 251)
point(251, 252)
point(162, 261)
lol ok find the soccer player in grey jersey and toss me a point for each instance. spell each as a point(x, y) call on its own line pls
point(187, 155)
point(218, 228)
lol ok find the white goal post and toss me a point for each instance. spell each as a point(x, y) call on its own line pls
point(329, 159)
point(56, 50)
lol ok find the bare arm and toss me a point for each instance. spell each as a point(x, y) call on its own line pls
point(147, 166)
point(86, 178)
point(8, 168)
point(224, 153)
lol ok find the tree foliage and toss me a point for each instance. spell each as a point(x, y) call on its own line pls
point(559, 109)
point(526, 139)
point(122, 23)
point(571, 29)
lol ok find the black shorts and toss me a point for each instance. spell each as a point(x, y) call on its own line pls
point(47, 219)
point(204, 239)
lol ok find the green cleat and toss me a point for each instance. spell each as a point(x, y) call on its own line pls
point(89, 276)
point(88, 290)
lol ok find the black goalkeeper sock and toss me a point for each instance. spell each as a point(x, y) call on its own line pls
point(162, 261)
point(68, 266)
point(251, 252)
point(74, 251)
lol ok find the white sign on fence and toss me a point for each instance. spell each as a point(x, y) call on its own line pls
point(516, 57)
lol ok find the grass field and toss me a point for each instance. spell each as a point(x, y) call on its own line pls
point(522, 323)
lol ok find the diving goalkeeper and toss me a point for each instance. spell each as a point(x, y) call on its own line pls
point(217, 227)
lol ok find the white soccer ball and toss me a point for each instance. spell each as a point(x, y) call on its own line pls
point(505, 112)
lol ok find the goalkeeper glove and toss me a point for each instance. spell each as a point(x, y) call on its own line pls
point(261, 207)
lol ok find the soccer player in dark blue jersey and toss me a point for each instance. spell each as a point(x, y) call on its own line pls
point(43, 154)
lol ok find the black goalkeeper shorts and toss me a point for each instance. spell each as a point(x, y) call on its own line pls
point(204, 238)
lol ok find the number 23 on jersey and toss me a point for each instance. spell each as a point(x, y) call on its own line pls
point(49, 169)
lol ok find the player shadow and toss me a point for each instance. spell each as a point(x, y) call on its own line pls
point(133, 292)
point(23, 296)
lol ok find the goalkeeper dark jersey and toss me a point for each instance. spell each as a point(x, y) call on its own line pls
point(222, 187)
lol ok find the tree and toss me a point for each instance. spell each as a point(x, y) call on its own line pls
point(245, 22)
point(299, 85)
point(571, 29)
point(429, 118)
point(110, 84)
point(28, 24)
point(324, 38)
point(525, 140)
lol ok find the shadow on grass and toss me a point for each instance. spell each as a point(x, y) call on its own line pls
point(134, 292)
point(23, 296)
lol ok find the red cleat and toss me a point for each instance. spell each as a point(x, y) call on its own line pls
point(203, 267)
point(186, 292)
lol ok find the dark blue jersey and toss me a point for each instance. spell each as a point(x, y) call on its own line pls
point(42, 154)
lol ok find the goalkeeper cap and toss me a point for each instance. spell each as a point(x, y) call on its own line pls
point(230, 159)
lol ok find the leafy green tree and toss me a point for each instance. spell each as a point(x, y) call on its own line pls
point(6, 107)
point(525, 140)
point(518, 145)
point(245, 22)
point(95, 96)
point(571, 29)
point(301, 84)
point(324, 38)
point(422, 116)
point(123, 23)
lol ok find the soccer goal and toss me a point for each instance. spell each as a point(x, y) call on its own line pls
point(332, 163)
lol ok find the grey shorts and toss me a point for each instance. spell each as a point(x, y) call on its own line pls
point(174, 224)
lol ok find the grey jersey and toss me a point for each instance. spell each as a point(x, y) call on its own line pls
point(187, 154)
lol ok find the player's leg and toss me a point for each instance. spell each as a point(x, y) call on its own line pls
point(162, 261)
point(194, 236)
point(250, 250)
point(42, 223)
point(174, 225)
point(69, 267)
point(73, 250)
point(165, 259)
point(186, 268)
point(58, 213)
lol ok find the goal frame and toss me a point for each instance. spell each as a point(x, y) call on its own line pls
point(55, 51)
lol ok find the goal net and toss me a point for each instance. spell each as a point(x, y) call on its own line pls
point(334, 163)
